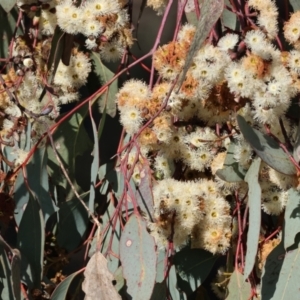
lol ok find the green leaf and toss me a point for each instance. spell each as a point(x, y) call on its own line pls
point(61, 290)
point(193, 266)
point(144, 196)
point(229, 19)
point(210, 13)
point(94, 167)
point(160, 266)
point(159, 291)
point(6, 291)
point(57, 46)
point(295, 4)
point(280, 279)
point(16, 273)
point(31, 238)
point(172, 285)
point(73, 221)
point(107, 101)
point(266, 148)
point(138, 258)
point(101, 124)
point(38, 182)
point(191, 14)
point(254, 202)
point(118, 275)
point(71, 140)
point(8, 24)
point(142, 7)
point(232, 171)
point(238, 288)
point(111, 238)
point(7, 5)
point(291, 218)
point(113, 177)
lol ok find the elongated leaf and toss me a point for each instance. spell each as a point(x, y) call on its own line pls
point(71, 140)
point(94, 167)
point(102, 173)
point(266, 148)
point(160, 266)
point(232, 171)
point(118, 275)
point(16, 273)
point(6, 291)
point(101, 124)
point(138, 257)
point(61, 290)
point(254, 202)
point(190, 11)
point(193, 266)
point(110, 240)
point(280, 278)
point(142, 7)
point(159, 291)
point(172, 285)
point(8, 24)
point(115, 179)
point(210, 13)
point(8, 4)
point(98, 280)
point(229, 19)
point(144, 195)
point(39, 184)
point(238, 288)
point(295, 4)
point(57, 46)
point(31, 238)
point(292, 218)
point(72, 224)
point(107, 100)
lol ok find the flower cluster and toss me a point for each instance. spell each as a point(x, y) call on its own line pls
point(195, 209)
point(105, 24)
point(31, 91)
point(24, 85)
point(185, 132)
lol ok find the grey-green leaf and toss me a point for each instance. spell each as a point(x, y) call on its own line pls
point(280, 279)
point(8, 24)
point(94, 167)
point(39, 184)
point(172, 285)
point(8, 4)
point(238, 288)
point(6, 291)
point(31, 238)
point(295, 4)
point(108, 99)
point(16, 273)
point(193, 266)
point(71, 140)
point(231, 171)
point(210, 13)
point(228, 18)
point(291, 218)
point(138, 258)
point(266, 148)
point(73, 221)
point(111, 238)
point(61, 290)
point(254, 202)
